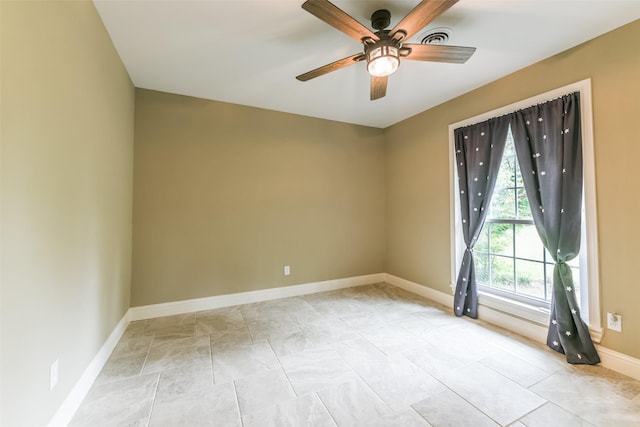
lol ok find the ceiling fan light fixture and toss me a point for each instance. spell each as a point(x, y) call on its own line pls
point(384, 48)
point(382, 60)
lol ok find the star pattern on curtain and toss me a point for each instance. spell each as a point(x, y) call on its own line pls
point(549, 134)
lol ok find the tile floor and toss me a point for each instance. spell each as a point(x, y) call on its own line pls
point(368, 356)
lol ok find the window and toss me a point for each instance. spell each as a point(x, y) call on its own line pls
point(513, 270)
point(510, 258)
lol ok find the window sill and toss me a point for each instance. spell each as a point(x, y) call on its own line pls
point(524, 311)
point(537, 315)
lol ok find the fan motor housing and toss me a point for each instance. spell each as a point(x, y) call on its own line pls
point(380, 19)
point(380, 43)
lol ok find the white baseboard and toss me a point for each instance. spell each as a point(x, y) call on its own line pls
point(66, 411)
point(423, 291)
point(610, 359)
point(619, 362)
point(208, 303)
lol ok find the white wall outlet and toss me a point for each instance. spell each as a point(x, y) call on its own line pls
point(614, 322)
point(287, 270)
point(53, 375)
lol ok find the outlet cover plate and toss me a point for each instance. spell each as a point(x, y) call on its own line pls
point(614, 322)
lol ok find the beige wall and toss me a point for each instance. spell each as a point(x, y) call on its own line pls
point(225, 196)
point(67, 158)
point(418, 242)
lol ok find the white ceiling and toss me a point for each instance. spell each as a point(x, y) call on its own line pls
point(249, 51)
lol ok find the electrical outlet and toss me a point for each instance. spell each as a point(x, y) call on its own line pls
point(287, 270)
point(53, 375)
point(614, 322)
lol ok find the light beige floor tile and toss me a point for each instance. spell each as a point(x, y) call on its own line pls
point(368, 294)
point(133, 342)
point(227, 340)
point(272, 327)
point(178, 381)
point(316, 369)
point(418, 326)
point(459, 341)
point(291, 344)
point(595, 394)
point(215, 407)
point(362, 321)
point(259, 391)
point(515, 368)
point(143, 422)
point(242, 360)
point(280, 307)
point(396, 380)
point(399, 383)
point(392, 312)
point(353, 404)
point(305, 411)
point(177, 353)
point(361, 355)
point(215, 312)
point(211, 321)
point(406, 418)
point(498, 397)
point(413, 305)
point(290, 303)
point(550, 415)
point(118, 368)
point(303, 317)
point(323, 297)
point(136, 326)
point(477, 334)
point(163, 322)
point(437, 360)
point(329, 331)
point(391, 339)
point(117, 403)
point(536, 354)
point(447, 409)
point(342, 307)
point(172, 332)
point(437, 317)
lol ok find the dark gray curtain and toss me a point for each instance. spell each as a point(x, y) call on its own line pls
point(479, 151)
point(548, 144)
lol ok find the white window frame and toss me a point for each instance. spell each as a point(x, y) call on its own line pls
point(590, 300)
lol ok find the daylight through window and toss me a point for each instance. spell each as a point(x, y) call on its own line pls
point(509, 256)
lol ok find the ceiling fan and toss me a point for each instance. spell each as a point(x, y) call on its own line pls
point(384, 48)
